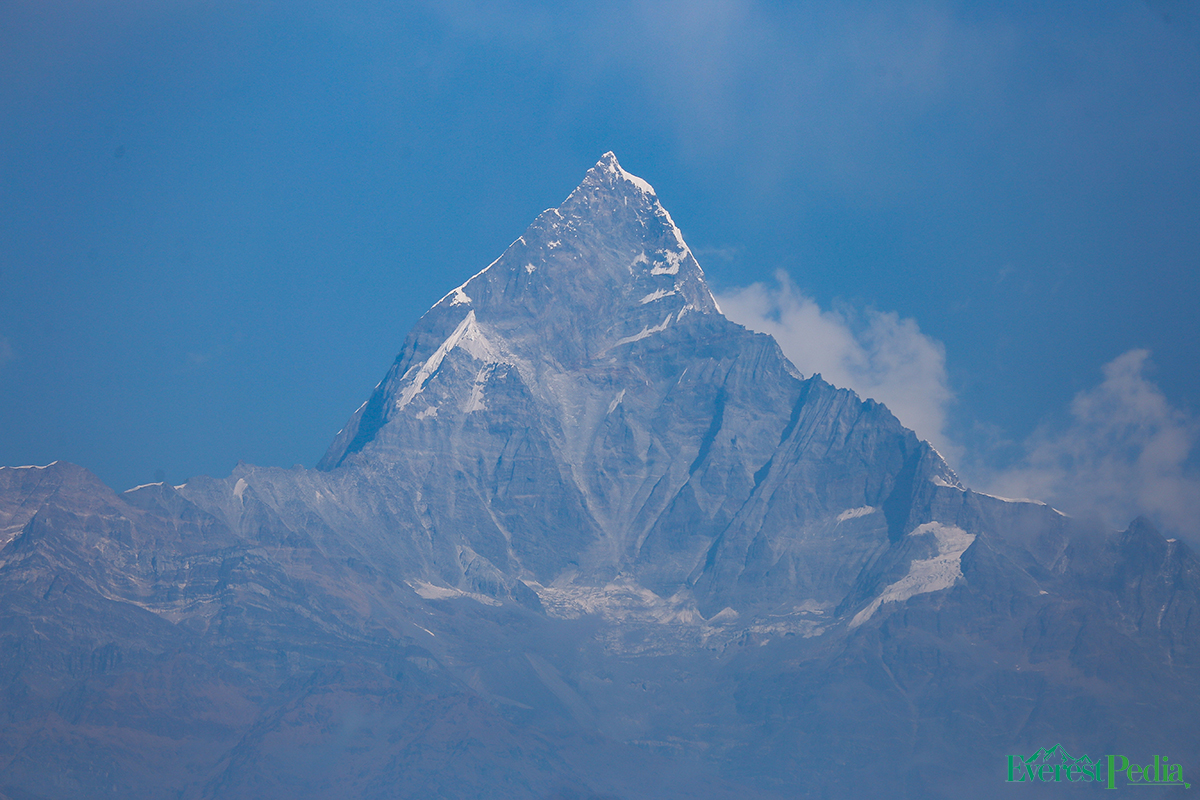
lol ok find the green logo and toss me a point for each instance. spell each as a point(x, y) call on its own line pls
point(1056, 765)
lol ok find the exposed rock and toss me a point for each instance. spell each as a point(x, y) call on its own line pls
point(587, 538)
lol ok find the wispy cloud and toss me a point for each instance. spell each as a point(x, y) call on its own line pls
point(6, 351)
point(1127, 451)
point(878, 354)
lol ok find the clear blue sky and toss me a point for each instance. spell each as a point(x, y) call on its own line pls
point(219, 219)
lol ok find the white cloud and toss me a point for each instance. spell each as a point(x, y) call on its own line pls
point(1126, 452)
point(877, 354)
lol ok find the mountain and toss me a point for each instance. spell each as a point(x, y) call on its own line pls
point(587, 538)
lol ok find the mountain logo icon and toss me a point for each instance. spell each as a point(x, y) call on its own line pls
point(1056, 765)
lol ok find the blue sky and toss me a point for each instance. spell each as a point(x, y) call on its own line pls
point(218, 220)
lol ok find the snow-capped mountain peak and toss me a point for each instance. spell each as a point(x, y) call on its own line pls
point(586, 527)
point(606, 270)
point(610, 245)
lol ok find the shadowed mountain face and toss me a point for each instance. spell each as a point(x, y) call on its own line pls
point(587, 538)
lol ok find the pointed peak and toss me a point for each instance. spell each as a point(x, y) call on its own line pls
point(608, 171)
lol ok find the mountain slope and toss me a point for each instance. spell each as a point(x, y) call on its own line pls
point(587, 538)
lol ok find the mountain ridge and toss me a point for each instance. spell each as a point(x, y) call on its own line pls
point(586, 537)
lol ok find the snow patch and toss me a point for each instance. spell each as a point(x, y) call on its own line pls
point(431, 591)
point(530, 268)
point(641, 621)
point(1022, 500)
point(478, 346)
point(428, 413)
point(460, 297)
point(637, 337)
point(1012, 499)
point(638, 182)
point(433, 362)
point(726, 614)
point(33, 466)
point(456, 295)
point(613, 168)
point(467, 336)
point(621, 600)
point(928, 574)
point(239, 488)
point(616, 402)
point(657, 294)
point(672, 259)
point(475, 402)
point(678, 234)
point(854, 513)
point(139, 486)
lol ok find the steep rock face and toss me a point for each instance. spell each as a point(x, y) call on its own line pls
point(587, 538)
point(581, 406)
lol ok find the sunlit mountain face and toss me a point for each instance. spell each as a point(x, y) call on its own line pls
point(586, 538)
